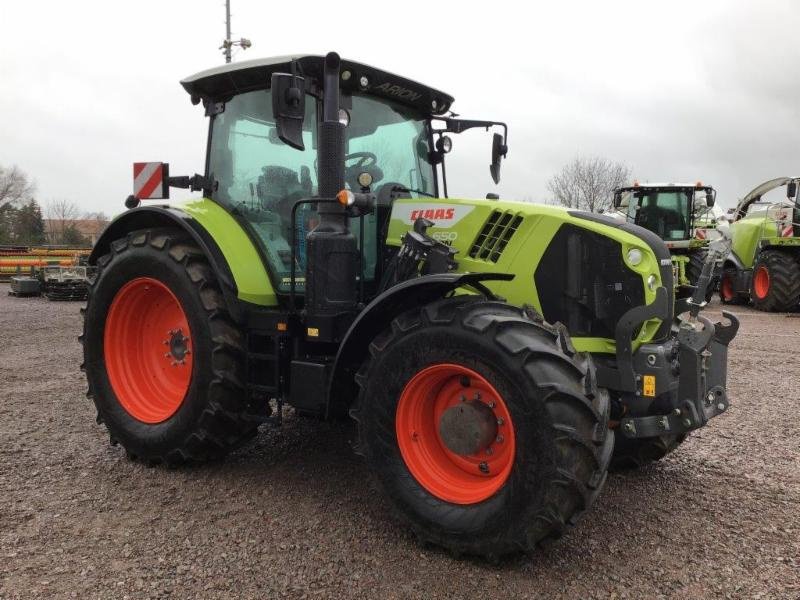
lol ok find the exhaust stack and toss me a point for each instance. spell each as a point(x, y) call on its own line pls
point(332, 255)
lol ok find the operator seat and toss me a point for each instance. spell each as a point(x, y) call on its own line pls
point(648, 215)
point(672, 220)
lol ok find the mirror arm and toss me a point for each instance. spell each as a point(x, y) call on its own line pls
point(195, 183)
point(461, 125)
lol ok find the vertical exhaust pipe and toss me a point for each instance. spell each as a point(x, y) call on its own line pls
point(332, 255)
point(330, 153)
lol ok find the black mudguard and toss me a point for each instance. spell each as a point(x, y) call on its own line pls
point(379, 314)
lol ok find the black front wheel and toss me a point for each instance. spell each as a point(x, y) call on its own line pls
point(694, 268)
point(638, 452)
point(484, 427)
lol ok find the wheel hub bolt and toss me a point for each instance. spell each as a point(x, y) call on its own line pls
point(483, 468)
point(489, 451)
point(499, 439)
point(721, 406)
point(500, 421)
point(687, 422)
point(477, 395)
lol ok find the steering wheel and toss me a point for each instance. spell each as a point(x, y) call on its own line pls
point(364, 160)
point(361, 162)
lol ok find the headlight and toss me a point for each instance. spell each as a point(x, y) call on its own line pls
point(652, 283)
point(634, 256)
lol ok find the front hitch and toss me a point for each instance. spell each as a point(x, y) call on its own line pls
point(702, 356)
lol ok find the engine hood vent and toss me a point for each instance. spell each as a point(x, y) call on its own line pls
point(495, 235)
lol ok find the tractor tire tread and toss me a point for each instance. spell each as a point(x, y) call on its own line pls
point(533, 348)
point(784, 277)
point(632, 454)
point(222, 425)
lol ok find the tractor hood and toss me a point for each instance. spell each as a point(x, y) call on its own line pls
point(600, 263)
point(220, 83)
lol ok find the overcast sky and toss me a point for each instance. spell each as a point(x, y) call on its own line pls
point(676, 90)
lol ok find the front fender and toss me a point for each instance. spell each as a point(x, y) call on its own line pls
point(379, 314)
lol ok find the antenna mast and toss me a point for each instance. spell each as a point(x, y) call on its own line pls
point(227, 43)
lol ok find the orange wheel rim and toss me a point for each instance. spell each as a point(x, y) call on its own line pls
point(148, 350)
point(761, 282)
point(456, 478)
point(726, 287)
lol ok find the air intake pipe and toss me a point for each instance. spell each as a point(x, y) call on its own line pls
point(332, 254)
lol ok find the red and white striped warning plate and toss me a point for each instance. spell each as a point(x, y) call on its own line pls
point(787, 231)
point(149, 181)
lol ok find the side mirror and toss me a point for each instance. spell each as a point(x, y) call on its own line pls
point(499, 150)
point(289, 108)
point(711, 198)
point(791, 190)
point(617, 199)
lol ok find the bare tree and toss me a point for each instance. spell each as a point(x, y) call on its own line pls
point(95, 216)
point(15, 186)
point(60, 215)
point(588, 183)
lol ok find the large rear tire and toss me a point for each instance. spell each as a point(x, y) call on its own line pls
point(163, 359)
point(776, 282)
point(694, 268)
point(544, 464)
point(638, 452)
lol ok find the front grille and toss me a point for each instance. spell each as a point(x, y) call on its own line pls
point(583, 282)
point(495, 235)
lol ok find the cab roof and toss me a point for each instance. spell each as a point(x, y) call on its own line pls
point(220, 83)
point(665, 185)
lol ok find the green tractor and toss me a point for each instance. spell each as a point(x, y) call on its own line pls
point(764, 264)
point(680, 214)
point(488, 350)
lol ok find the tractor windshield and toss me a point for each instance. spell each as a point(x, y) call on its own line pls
point(259, 178)
point(664, 212)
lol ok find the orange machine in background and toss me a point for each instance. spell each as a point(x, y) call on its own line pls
point(22, 260)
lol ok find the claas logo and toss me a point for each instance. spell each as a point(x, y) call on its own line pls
point(433, 214)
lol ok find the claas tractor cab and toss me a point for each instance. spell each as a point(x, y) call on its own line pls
point(764, 263)
point(491, 352)
point(680, 214)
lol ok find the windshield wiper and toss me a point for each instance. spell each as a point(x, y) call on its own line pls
point(402, 188)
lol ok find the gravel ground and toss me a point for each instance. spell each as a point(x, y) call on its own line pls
point(292, 514)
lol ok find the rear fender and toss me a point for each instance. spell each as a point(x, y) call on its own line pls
point(148, 217)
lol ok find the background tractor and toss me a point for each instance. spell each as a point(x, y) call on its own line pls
point(681, 215)
point(488, 350)
point(764, 264)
